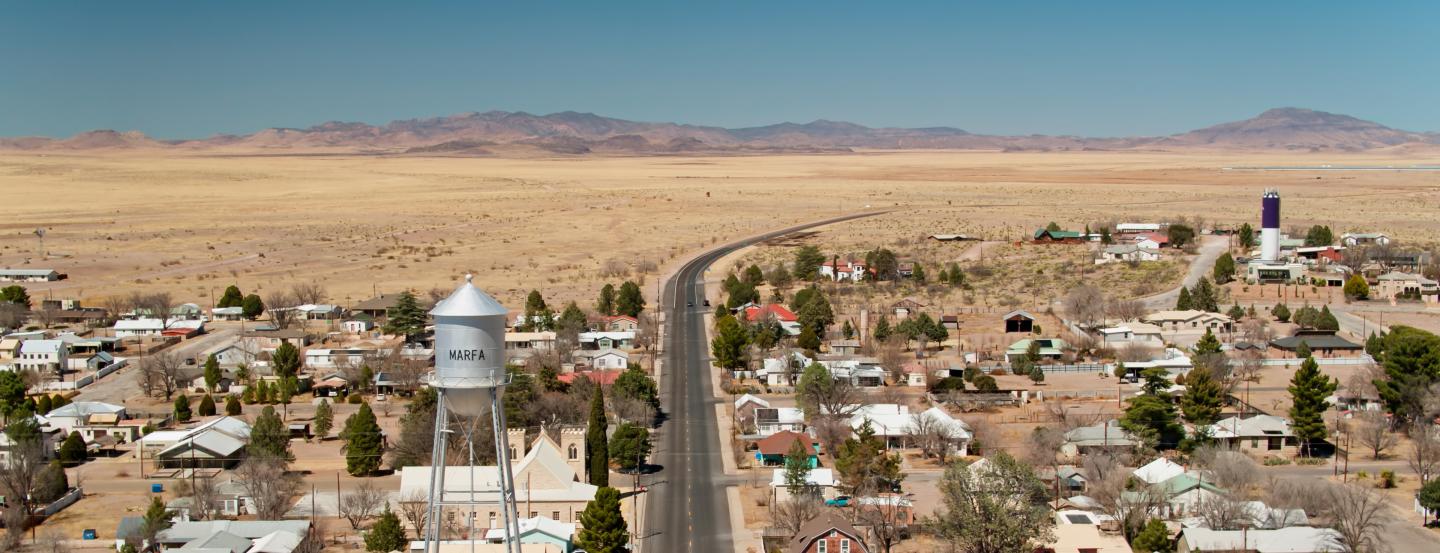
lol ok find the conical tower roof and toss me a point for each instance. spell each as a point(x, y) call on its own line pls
point(469, 301)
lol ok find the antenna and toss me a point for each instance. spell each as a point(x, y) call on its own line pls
point(40, 235)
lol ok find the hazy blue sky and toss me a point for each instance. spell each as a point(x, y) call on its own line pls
point(191, 69)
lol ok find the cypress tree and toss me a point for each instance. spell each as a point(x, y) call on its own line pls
point(231, 298)
point(43, 405)
point(182, 408)
point(207, 406)
point(212, 373)
point(597, 449)
point(363, 444)
point(252, 307)
point(603, 527)
point(1184, 303)
point(1308, 390)
point(72, 451)
point(630, 301)
point(232, 406)
point(606, 304)
point(324, 419)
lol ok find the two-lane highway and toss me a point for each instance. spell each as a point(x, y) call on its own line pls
point(688, 509)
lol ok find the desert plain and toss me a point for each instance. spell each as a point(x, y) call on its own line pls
point(191, 223)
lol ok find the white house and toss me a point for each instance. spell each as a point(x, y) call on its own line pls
point(1129, 228)
point(1295, 539)
point(853, 271)
point(822, 479)
point(70, 416)
point(357, 326)
point(546, 483)
point(1190, 319)
point(609, 359)
point(29, 275)
point(1364, 238)
point(43, 356)
point(1127, 252)
point(1131, 333)
point(1259, 434)
point(155, 327)
point(332, 358)
point(769, 420)
point(1158, 471)
point(227, 313)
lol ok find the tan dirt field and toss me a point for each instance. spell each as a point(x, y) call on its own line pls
point(191, 224)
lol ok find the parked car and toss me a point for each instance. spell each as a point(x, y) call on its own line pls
point(838, 501)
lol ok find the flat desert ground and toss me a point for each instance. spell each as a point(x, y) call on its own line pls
point(191, 224)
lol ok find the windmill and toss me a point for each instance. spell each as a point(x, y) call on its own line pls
point(40, 235)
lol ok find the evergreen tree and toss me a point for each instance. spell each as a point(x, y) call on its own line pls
point(728, 346)
point(986, 383)
point(58, 401)
point(629, 446)
point(43, 406)
point(182, 408)
point(72, 451)
point(268, 436)
point(12, 394)
point(1151, 416)
point(918, 275)
point(51, 483)
point(1235, 313)
point(943, 277)
point(603, 528)
point(232, 406)
point(1429, 496)
point(572, 318)
point(207, 406)
point(797, 468)
point(754, 276)
point(1319, 235)
point(1053, 227)
point(816, 313)
point(1224, 270)
point(251, 308)
point(1356, 288)
point(1105, 237)
point(387, 534)
point(285, 360)
point(1203, 398)
point(882, 330)
point(364, 446)
point(324, 419)
point(807, 263)
point(156, 520)
point(1326, 320)
point(630, 301)
point(1203, 296)
point(535, 313)
point(1281, 313)
point(597, 447)
point(1207, 344)
point(606, 304)
point(1302, 350)
point(1184, 303)
point(847, 330)
point(406, 318)
point(1246, 236)
point(1037, 374)
point(1308, 390)
point(1374, 345)
point(1411, 359)
point(808, 340)
point(15, 294)
point(212, 373)
point(864, 464)
point(231, 298)
point(1155, 538)
point(248, 396)
point(957, 277)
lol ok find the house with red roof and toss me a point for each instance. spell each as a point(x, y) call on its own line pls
point(604, 377)
point(1153, 240)
point(752, 313)
point(836, 270)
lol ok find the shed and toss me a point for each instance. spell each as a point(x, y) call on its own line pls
point(1019, 321)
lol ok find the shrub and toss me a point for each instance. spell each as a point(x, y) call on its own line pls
point(947, 384)
point(1387, 479)
point(354, 399)
point(1276, 461)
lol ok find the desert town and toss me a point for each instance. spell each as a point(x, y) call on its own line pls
point(1113, 386)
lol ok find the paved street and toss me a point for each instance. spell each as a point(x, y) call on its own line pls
point(123, 384)
point(689, 510)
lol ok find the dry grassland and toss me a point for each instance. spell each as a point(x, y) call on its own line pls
point(193, 224)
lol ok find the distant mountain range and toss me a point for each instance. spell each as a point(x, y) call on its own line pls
point(505, 133)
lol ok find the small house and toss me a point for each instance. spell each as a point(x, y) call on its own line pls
point(1101, 437)
point(770, 420)
point(1049, 348)
point(227, 313)
point(771, 450)
point(1047, 236)
point(333, 385)
point(905, 308)
point(1320, 342)
point(30, 275)
point(1267, 434)
point(621, 323)
point(1127, 253)
point(827, 533)
point(358, 325)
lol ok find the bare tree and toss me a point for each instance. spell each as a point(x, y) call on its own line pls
point(415, 508)
point(1085, 304)
point(1256, 331)
point(204, 497)
point(1285, 494)
point(21, 475)
point(46, 316)
point(115, 306)
point(308, 293)
point(841, 397)
point(1132, 509)
point(268, 484)
point(1228, 469)
point(51, 541)
point(792, 513)
point(1359, 517)
point(280, 305)
point(884, 517)
point(1126, 310)
point(161, 372)
point(1044, 447)
point(648, 334)
point(1424, 450)
point(13, 316)
point(160, 305)
point(361, 503)
point(1136, 352)
point(555, 408)
point(831, 431)
point(1247, 365)
point(1372, 430)
point(1222, 511)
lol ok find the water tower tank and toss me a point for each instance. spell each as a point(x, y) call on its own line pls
point(469, 348)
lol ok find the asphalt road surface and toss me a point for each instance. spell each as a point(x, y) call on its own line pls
point(689, 510)
point(125, 383)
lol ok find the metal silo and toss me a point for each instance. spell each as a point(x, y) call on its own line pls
point(470, 379)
